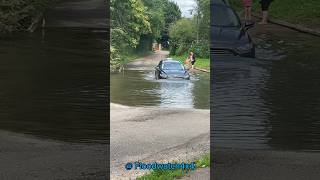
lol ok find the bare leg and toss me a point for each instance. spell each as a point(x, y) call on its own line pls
point(249, 14)
point(245, 14)
point(264, 17)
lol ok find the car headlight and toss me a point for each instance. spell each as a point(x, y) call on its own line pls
point(245, 47)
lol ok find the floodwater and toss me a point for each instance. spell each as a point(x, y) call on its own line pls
point(54, 84)
point(271, 102)
point(140, 88)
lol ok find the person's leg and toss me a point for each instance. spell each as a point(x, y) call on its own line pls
point(264, 8)
point(245, 14)
point(249, 14)
point(264, 17)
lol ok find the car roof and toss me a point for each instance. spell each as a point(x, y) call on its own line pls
point(170, 60)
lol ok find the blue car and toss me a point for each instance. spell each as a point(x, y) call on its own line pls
point(171, 69)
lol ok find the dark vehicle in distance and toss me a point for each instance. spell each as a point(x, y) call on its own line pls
point(171, 69)
point(228, 35)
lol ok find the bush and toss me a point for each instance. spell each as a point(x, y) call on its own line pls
point(191, 34)
point(17, 15)
point(200, 49)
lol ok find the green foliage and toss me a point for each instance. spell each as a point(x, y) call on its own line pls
point(17, 15)
point(200, 49)
point(192, 34)
point(236, 4)
point(203, 16)
point(303, 12)
point(203, 63)
point(172, 14)
point(204, 161)
point(182, 34)
point(135, 24)
point(163, 175)
point(129, 21)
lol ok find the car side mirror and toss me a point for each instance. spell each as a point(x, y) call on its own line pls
point(248, 26)
point(157, 67)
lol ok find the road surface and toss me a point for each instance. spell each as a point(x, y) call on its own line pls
point(147, 63)
point(78, 14)
point(151, 134)
point(30, 158)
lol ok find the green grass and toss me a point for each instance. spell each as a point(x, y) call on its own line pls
point(302, 12)
point(203, 63)
point(203, 162)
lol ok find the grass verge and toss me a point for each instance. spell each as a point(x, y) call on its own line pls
point(302, 12)
point(203, 63)
point(203, 162)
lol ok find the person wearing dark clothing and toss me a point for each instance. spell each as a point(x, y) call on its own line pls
point(265, 7)
point(192, 59)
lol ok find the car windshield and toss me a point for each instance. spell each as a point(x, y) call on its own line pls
point(223, 16)
point(172, 66)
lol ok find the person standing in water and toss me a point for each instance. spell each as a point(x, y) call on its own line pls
point(191, 59)
point(247, 11)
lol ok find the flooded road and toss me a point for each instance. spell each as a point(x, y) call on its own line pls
point(140, 88)
point(53, 84)
point(271, 102)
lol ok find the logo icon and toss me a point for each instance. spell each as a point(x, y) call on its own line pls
point(128, 166)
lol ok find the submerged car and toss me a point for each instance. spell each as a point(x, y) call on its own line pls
point(228, 35)
point(171, 69)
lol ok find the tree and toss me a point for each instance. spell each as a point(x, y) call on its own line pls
point(171, 15)
point(135, 24)
point(18, 15)
point(192, 34)
point(128, 22)
point(182, 34)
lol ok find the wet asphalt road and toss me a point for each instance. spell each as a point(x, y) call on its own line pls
point(53, 95)
point(264, 111)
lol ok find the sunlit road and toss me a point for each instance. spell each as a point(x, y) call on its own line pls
point(151, 134)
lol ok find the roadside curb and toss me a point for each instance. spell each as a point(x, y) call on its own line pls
point(203, 70)
point(291, 26)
